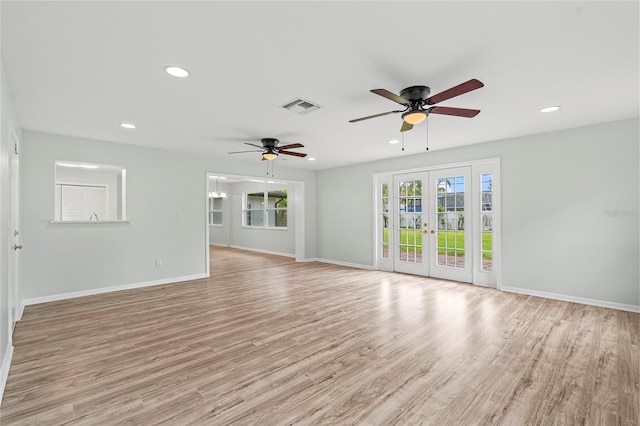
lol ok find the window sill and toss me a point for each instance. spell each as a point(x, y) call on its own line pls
point(84, 222)
point(264, 228)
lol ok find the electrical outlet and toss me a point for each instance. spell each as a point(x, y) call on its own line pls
point(179, 215)
point(158, 263)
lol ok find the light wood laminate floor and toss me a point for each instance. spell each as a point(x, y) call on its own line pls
point(269, 341)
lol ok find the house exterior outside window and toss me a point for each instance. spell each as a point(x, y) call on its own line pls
point(266, 209)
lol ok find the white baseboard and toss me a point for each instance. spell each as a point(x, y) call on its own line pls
point(339, 263)
point(263, 251)
point(20, 310)
point(219, 245)
point(64, 296)
point(574, 299)
point(4, 370)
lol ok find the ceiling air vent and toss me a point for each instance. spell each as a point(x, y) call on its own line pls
point(301, 106)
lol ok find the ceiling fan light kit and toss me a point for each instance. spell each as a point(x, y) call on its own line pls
point(414, 117)
point(269, 155)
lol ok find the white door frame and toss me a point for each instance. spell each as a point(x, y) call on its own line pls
point(478, 167)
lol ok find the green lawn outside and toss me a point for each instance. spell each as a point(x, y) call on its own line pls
point(448, 241)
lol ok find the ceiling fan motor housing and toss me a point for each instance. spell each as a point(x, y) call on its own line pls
point(415, 93)
point(270, 142)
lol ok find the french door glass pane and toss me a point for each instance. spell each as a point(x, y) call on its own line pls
point(410, 221)
point(451, 221)
point(385, 220)
point(486, 207)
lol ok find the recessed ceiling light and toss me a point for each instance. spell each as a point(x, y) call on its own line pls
point(311, 159)
point(550, 108)
point(394, 141)
point(128, 125)
point(177, 71)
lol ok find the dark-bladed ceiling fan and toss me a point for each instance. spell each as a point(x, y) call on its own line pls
point(270, 149)
point(417, 103)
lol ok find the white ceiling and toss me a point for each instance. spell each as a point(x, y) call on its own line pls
point(81, 68)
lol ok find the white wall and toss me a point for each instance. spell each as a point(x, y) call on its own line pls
point(560, 194)
point(72, 258)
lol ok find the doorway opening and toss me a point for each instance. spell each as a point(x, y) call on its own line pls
point(254, 213)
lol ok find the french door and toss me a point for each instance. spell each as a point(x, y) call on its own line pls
point(409, 202)
point(450, 239)
point(428, 221)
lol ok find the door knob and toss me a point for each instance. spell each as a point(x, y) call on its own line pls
point(16, 247)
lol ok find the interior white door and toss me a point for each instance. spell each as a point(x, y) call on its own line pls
point(450, 214)
point(410, 196)
point(14, 238)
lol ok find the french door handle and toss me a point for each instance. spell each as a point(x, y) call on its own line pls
point(16, 247)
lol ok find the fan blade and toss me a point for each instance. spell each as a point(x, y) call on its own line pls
point(241, 152)
point(458, 112)
point(295, 154)
point(391, 96)
point(458, 90)
point(253, 144)
point(292, 145)
point(373, 116)
point(406, 126)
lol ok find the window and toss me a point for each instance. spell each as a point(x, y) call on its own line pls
point(265, 209)
point(215, 211)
